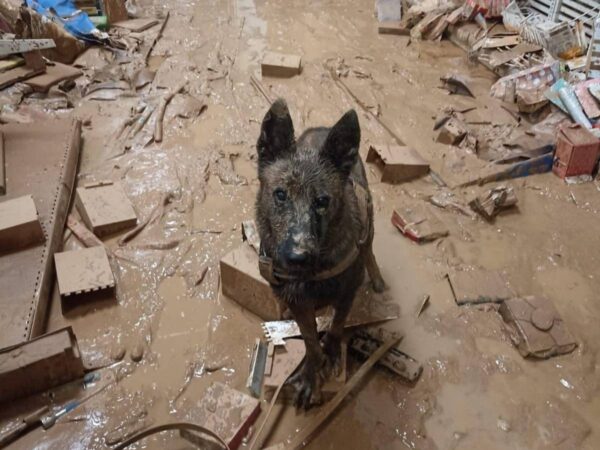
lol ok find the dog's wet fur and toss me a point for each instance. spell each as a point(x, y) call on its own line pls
point(308, 219)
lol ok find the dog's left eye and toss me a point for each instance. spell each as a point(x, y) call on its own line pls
point(322, 202)
point(280, 195)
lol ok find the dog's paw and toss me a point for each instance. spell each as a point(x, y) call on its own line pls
point(332, 347)
point(378, 285)
point(307, 385)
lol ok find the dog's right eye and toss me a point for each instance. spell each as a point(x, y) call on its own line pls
point(280, 195)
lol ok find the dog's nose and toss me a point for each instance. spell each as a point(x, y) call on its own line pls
point(297, 256)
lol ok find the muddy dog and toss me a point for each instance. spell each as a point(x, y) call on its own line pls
point(315, 220)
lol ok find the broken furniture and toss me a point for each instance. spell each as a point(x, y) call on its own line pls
point(537, 329)
point(105, 208)
point(493, 201)
point(241, 281)
point(577, 152)
point(289, 356)
point(417, 222)
point(397, 163)
point(83, 271)
point(479, 286)
point(19, 224)
point(364, 342)
point(280, 65)
point(39, 364)
point(227, 413)
point(41, 160)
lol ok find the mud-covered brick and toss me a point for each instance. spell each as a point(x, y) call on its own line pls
point(226, 412)
point(577, 152)
point(19, 224)
point(452, 132)
point(537, 330)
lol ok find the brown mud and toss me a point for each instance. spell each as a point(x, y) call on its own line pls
point(476, 391)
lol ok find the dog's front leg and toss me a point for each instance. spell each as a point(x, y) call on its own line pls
point(307, 380)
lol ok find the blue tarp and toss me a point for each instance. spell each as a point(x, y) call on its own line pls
point(64, 12)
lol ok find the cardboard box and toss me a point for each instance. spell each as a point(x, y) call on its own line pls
point(241, 281)
point(105, 208)
point(577, 152)
point(393, 27)
point(538, 330)
point(290, 355)
point(19, 224)
point(82, 271)
point(452, 132)
point(418, 223)
point(397, 163)
point(280, 65)
point(226, 412)
point(39, 364)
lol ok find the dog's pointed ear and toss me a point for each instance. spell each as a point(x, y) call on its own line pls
point(276, 134)
point(342, 143)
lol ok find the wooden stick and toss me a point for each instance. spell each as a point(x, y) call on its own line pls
point(82, 233)
point(157, 37)
point(260, 88)
point(160, 115)
point(253, 446)
point(305, 436)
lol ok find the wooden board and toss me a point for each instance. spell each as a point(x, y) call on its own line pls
point(17, 74)
point(136, 25)
point(41, 161)
point(54, 74)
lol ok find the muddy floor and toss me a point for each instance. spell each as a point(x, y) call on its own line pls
point(476, 391)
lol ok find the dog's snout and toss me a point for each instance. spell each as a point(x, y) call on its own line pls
point(297, 256)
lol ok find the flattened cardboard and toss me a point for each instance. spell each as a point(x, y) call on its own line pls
point(479, 286)
point(136, 25)
point(418, 222)
point(280, 65)
point(290, 355)
point(241, 281)
point(39, 364)
point(19, 224)
point(397, 163)
point(82, 271)
point(54, 74)
point(105, 208)
point(40, 161)
point(537, 328)
point(225, 411)
point(17, 74)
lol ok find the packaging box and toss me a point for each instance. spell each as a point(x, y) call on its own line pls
point(82, 271)
point(241, 281)
point(39, 364)
point(577, 152)
point(280, 65)
point(19, 224)
point(397, 163)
